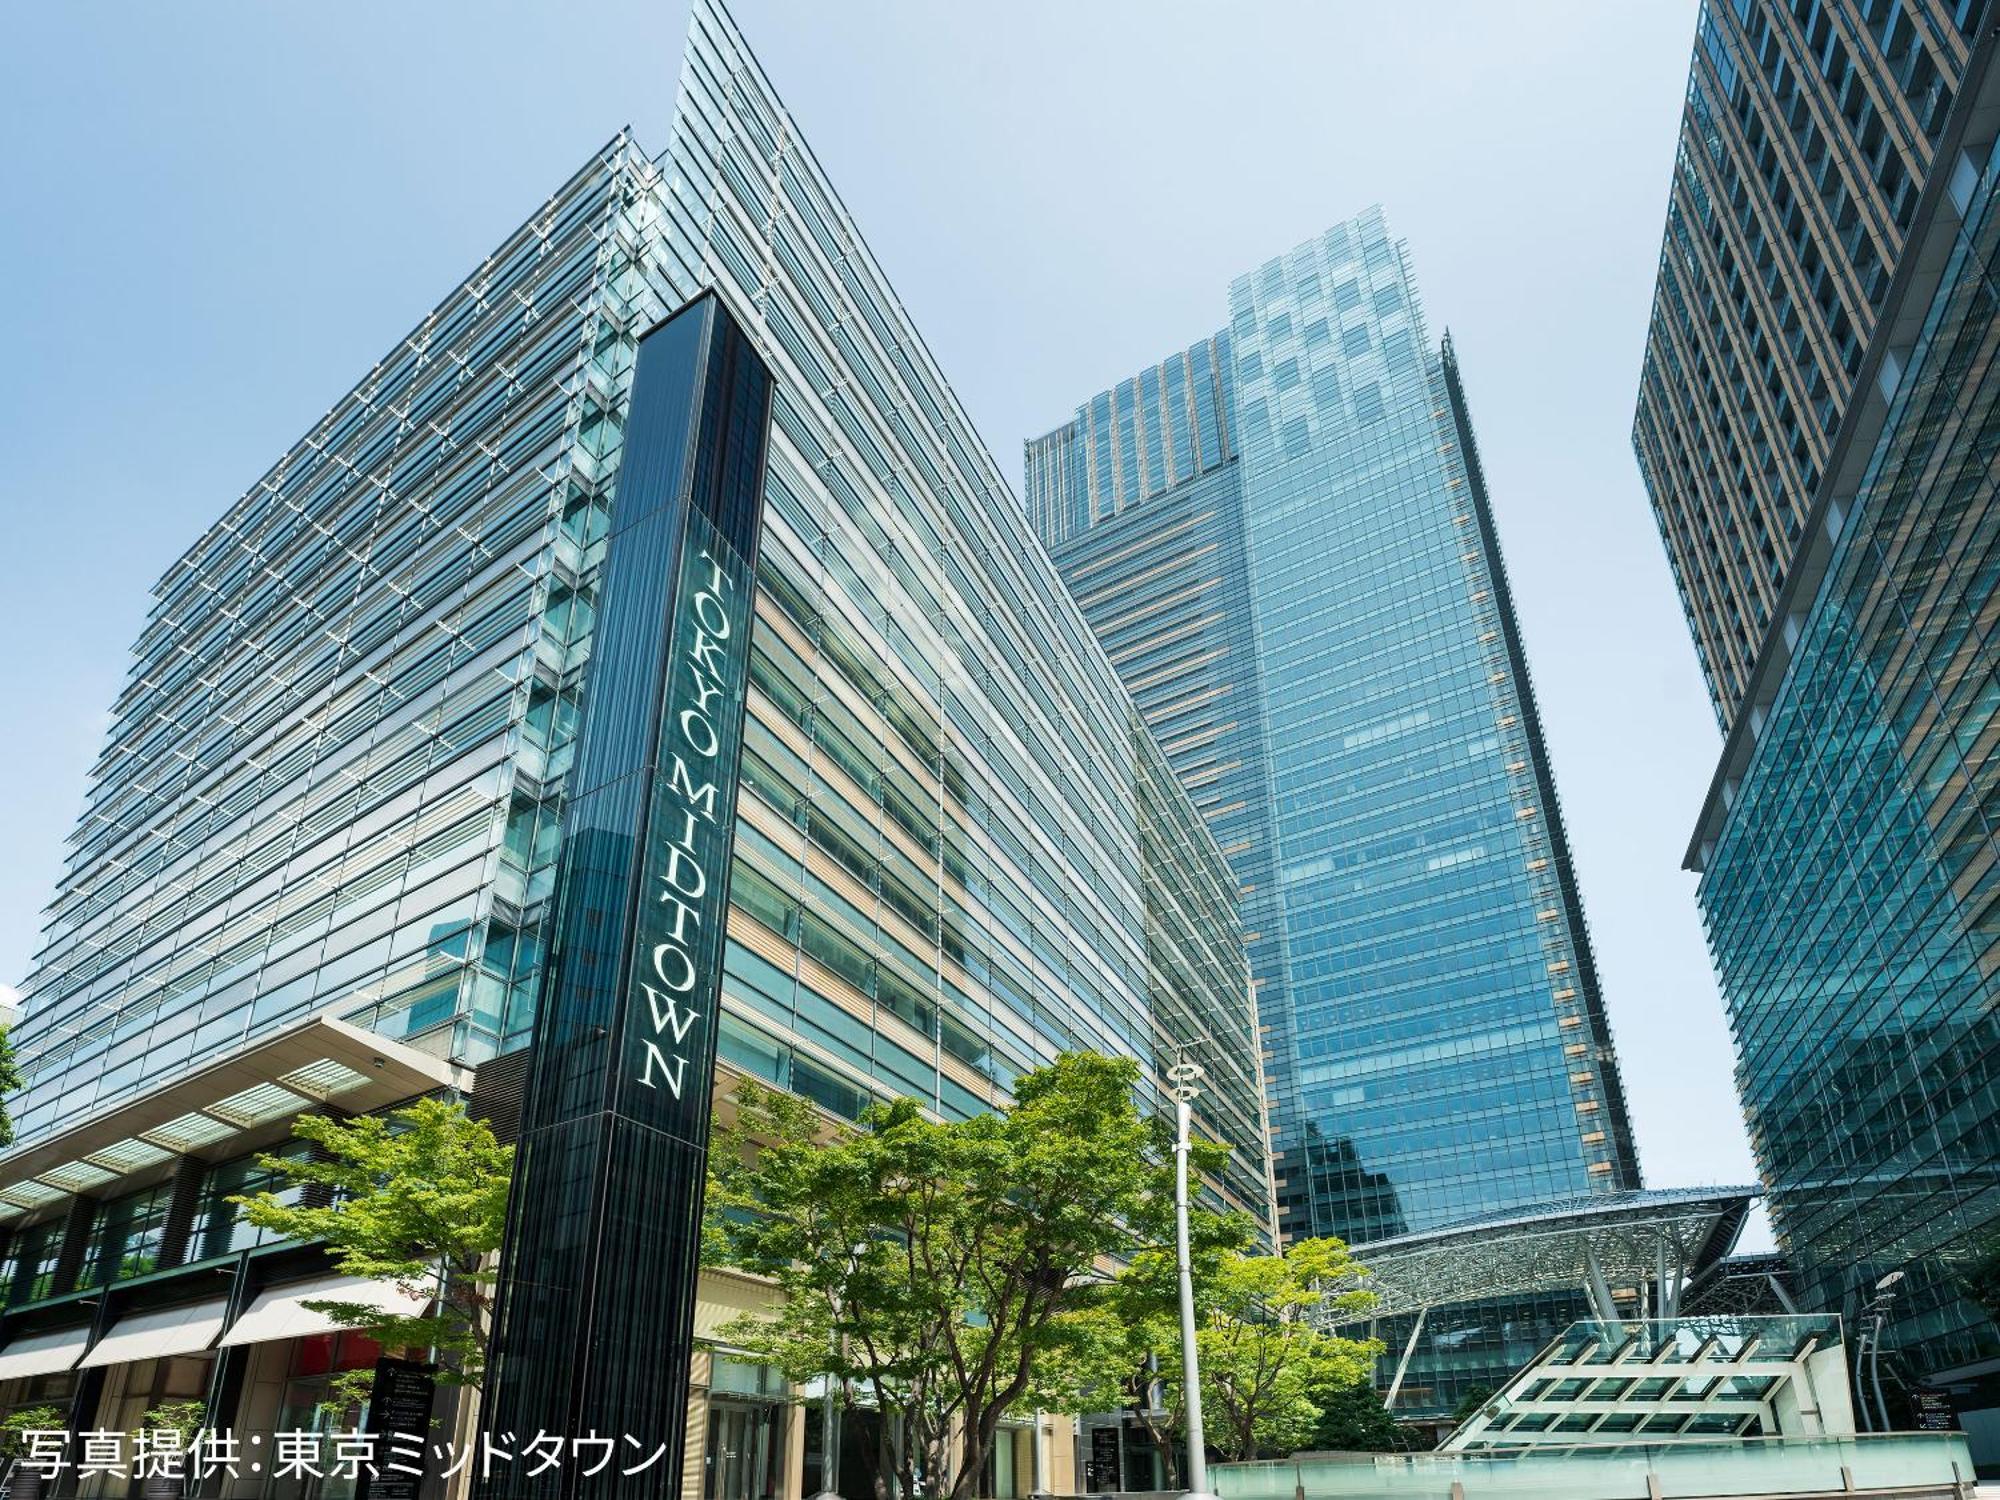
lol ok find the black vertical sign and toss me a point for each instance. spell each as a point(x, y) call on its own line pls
point(596, 1309)
point(399, 1420)
point(1103, 1463)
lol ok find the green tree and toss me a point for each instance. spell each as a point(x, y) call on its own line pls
point(1475, 1397)
point(751, 1120)
point(1262, 1358)
point(25, 1482)
point(24, 1420)
point(183, 1418)
point(1352, 1419)
point(951, 1270)
point(10, 1080)
point(1138, 1350)
point(1262, 1361)
point(419, 1198)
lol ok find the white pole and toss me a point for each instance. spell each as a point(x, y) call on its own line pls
point(1190, 1370)
point(1403, 1364)
point(1875, 1369)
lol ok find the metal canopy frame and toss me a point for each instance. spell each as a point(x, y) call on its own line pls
point(1647, 1243)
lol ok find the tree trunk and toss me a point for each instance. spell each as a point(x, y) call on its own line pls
point(899, 1439)
point(978, 1447)
point(885, 1455)
point(934, 1451)
point(1162, 1439)
point(1246, 1438)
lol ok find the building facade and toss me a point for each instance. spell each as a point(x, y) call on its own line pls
point(1847, 847)
point(1809, 132)
point(317, 863)
point(1282, 535)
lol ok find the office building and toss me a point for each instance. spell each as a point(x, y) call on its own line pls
point(1283, 538)
point(1809, 134)
point(1847, 844)
point(318, 861)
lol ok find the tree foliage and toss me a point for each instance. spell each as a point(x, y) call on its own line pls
point(1263, 1360)
point(1269, 1376)
point(1474, 1398)
point(1140, 1351)
point(949, 1270)
point(1352, 1419)
point(10, 1082)
point(18, 1424)
point(417, 1197)
point(182, 1418)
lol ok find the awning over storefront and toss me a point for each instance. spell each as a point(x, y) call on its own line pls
point(157, 1334)
point(44, 1353)
point(723, 1295)
point(280, 1312)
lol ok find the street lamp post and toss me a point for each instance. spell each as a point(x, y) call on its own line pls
point(1186, 1080)
point(1885, 1293)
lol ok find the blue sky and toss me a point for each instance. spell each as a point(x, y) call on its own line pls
point(223, 213)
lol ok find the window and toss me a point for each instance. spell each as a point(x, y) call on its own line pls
point(32, 1270)
point(220, 1228)
point(125, 1236)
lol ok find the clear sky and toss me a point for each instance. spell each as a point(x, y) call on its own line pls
point(221, 213)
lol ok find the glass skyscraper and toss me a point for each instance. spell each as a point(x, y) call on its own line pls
point(1847, 848)
point(1283, 538)
point(1807, 139)
point(318, 857)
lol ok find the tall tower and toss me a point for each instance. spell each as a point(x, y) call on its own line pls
point(1304, 591)
point(1847, 841)
point(479, 732)
point(1806, 143)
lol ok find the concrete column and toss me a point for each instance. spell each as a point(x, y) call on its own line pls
point(794, 1477)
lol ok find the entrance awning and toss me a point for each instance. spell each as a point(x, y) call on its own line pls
point(157, 1334)
point(44, 1353)
point(279, 1312)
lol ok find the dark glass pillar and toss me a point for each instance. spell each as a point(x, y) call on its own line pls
point(596, 1309)
point(178, 1236)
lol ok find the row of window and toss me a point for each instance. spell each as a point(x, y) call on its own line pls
point(125, 1236)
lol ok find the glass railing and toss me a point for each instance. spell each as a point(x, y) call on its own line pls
point(1684, 1470)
